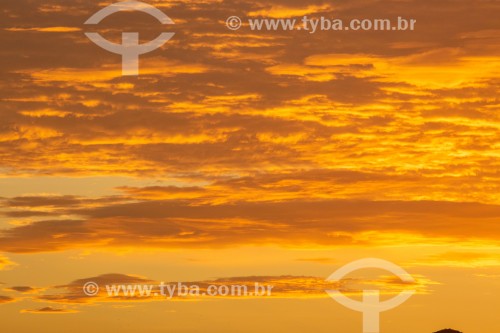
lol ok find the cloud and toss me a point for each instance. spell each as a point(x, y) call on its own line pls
point(183, 223)
point(462, 259)
point(277, 11)
point(216, 103)
point(45, 29)
point(73, 292)
point(5, 263)
point(25, 289)
point(286, 286)
point(333, 140)
point(6, 299)
point(48, 310)
point(317, 260)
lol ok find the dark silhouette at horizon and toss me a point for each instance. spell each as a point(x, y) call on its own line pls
point(448, 330)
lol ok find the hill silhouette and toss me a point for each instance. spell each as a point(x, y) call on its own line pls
point(448, 330)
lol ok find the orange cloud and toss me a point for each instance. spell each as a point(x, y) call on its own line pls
point(48, 310)
point(6, 299)
point(5, 263)
point(46, 29)
point(275, 286)
point(198, 224)
point(25, 289)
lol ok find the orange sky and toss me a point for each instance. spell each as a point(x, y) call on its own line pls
point(249, 155)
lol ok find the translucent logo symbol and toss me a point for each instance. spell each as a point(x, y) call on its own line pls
point(371, 306)
point(130, 49)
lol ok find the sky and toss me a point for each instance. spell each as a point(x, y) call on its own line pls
point(243, 156)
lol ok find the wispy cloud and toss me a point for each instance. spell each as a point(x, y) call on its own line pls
point(49, 310)
point(282, 287)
